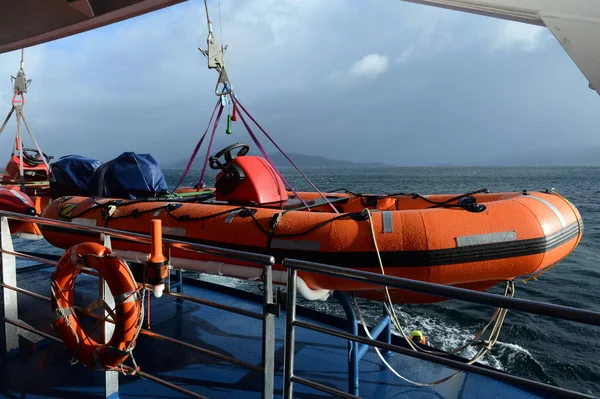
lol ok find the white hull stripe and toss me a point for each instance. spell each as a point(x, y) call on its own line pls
point(20, 196)
point(559, 215)
point(489, 238)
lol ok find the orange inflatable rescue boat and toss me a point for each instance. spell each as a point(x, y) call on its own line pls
point(473, 240)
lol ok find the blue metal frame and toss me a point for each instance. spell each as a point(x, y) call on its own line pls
point(533, 307)
point(357, 350)
point(178, 285)
point(9, 314)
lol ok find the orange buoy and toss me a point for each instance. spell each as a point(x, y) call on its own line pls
point(157, 263)
point(127, 314)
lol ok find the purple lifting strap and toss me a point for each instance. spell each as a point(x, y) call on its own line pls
point(195, 152)
point(212, 137)
point(261, 148)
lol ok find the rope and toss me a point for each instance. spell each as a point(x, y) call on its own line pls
point(61, 312)
point(448, 201)
point(221, 26)
point(389, 366)
point(210, 32)
point(7, 119)
point(210, 143)
point(497, 319)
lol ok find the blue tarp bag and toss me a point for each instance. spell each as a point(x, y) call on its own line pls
point(129, 176)
point(70, 175)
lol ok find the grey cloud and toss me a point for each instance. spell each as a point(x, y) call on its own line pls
point(455, 97)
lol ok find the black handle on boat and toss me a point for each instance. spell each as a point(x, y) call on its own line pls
point(33, 157)
point(215, 164)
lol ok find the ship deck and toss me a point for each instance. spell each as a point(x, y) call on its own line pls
point(44, 370)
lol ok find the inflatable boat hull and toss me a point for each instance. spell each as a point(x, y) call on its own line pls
point(511, 235)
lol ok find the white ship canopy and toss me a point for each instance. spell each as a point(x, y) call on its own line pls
point(574, 23)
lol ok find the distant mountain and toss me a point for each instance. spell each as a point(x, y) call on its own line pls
point(301, 160)
point(313, 161)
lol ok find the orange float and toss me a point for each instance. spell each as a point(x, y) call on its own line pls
point(128, 311)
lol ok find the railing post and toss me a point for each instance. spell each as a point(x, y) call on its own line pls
point(8, 276)
point(353, 347)
point(290, 335)
point(268, 335)
point(111, 378)
point(387, 331)
point(179, 275)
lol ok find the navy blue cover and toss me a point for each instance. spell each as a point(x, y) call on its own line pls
point(129, 176)
point(70, 175)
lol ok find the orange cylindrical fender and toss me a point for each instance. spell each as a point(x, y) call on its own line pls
point(128, 311)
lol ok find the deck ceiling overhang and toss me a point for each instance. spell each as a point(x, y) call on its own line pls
point(25, 23)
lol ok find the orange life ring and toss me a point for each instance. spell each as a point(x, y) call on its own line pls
point(128, 310)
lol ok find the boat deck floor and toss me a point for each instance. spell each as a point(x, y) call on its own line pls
point(43, 370)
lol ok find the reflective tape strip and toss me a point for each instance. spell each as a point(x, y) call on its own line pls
point(126, 297)
point(559, 215)
point(232, 215)
point(85, 221)
point(103, 200)
point(20, 196)
point(489, 238)
point(295, 244)
point(63, 313)
point(388, 222)
point(174, 231)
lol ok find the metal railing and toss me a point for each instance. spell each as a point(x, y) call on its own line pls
point(14, 327)
point(484, 298)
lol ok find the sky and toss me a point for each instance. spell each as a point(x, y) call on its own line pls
point(375, 80)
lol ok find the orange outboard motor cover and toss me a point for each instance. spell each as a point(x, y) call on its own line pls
point(32, 173)
point(250, 179)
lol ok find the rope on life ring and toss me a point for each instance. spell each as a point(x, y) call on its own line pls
point(128, 313)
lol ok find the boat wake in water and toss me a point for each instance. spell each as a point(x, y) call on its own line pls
point(445, 330)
